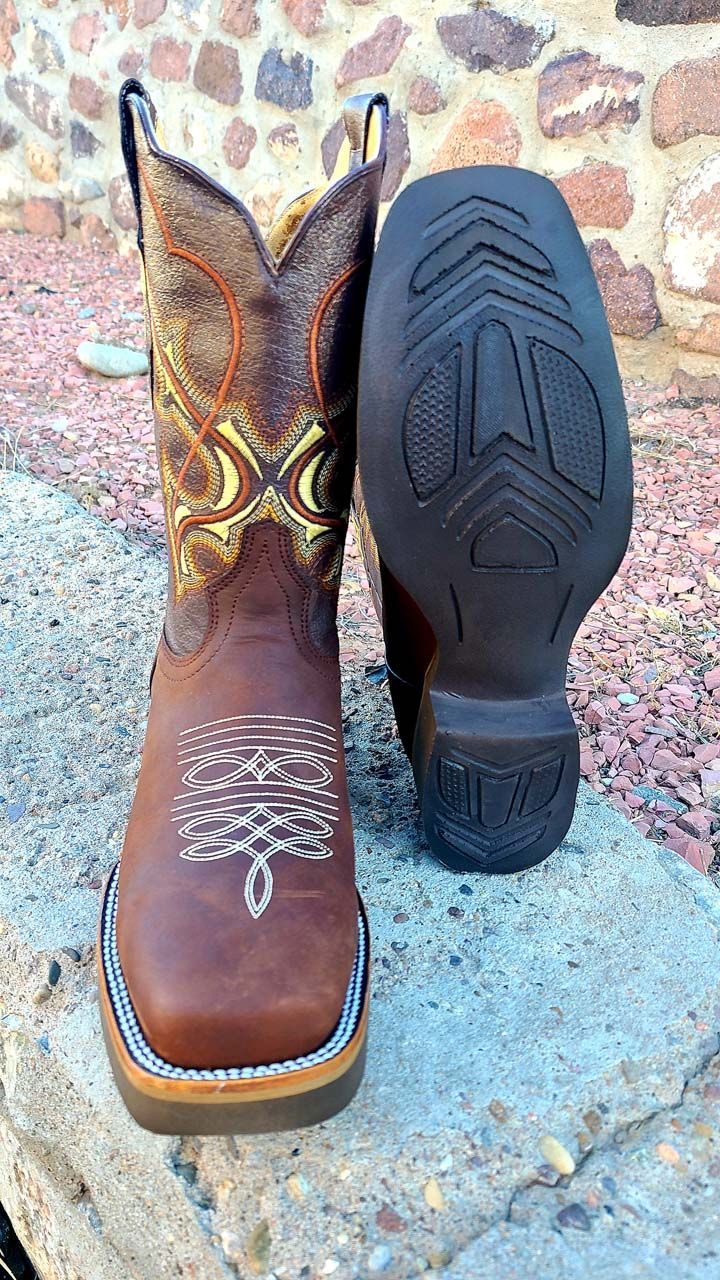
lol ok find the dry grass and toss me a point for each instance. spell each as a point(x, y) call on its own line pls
point(10, 459)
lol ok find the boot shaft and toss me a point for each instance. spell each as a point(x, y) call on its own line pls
point(254, 351)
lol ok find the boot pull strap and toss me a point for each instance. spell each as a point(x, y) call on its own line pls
point(133, 89)
point(357, 118)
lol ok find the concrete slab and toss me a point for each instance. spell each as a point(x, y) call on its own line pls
point(579, 1000)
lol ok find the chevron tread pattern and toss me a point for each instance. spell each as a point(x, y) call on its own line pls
point(488, 810)
point(499, 385)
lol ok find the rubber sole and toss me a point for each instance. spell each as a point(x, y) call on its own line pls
point(495, 465)
point(289, 1095)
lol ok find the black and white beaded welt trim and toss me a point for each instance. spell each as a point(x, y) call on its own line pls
point(142, 1053)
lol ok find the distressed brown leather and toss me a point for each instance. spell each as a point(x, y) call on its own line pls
point(237, 917)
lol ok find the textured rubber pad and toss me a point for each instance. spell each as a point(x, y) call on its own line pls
point(495, 463)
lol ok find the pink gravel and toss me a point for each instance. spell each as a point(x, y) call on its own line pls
point(644, 675)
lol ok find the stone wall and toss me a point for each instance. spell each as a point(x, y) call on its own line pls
point(617, 100)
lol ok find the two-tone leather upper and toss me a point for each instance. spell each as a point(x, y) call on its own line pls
point(237, 911)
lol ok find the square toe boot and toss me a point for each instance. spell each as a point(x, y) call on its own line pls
point(495, 499)
point(233, 947)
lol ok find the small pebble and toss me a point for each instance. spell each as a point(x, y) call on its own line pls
point(573, 1215)
point(54, 973)
point(258, 1247)
point(557, 1155)
point(232, 1247)
point(72, 953)
point(375, 674)
point(380, 1258)
point(439, 1256)
point(651, 794)
point(112, 361)
point(42, 994)
point(296, 1186)
point(433, 1195)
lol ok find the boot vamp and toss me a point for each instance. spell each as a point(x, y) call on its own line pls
point(237, 924)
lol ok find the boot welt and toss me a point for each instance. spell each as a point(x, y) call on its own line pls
point(496, 472)
point(165, 1098)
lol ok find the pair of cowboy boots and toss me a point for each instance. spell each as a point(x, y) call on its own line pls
point(495, 506)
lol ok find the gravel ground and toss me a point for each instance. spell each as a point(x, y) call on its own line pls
point(644, 676)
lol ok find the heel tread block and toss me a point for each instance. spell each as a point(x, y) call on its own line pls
point(488, 811)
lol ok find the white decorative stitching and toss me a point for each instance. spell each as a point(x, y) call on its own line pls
point(257, 785)
point(144, 1055)
point(263, 719)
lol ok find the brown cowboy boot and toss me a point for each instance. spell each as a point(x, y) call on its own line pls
point(495, 466)
point(234, 950)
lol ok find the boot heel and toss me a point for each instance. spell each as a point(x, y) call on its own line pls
point(498, 779)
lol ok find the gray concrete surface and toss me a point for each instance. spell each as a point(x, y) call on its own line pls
point(579, 1000)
